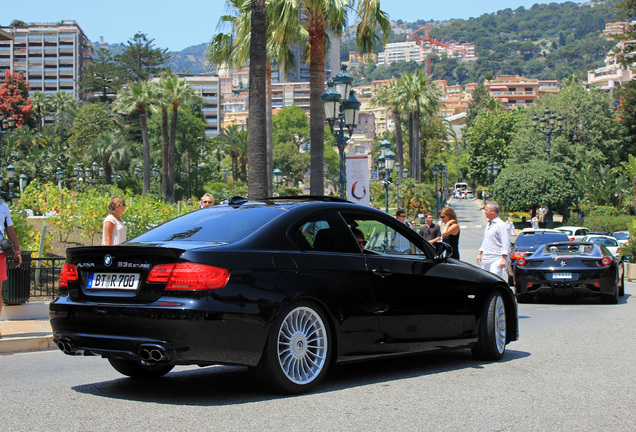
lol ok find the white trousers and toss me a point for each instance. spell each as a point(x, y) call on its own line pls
point(491, 264)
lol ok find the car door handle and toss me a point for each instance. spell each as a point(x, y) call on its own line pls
point(381, 273)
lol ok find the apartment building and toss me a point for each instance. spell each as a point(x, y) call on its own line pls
point(401, 51)
point(208, 87)
point(290, 93)
point(50, 56)
point(513, 90)
point(613, 74)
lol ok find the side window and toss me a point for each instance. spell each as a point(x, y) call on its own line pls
point(324, 233)
point(382, 239)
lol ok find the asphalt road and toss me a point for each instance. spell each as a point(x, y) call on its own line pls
point(573, 369)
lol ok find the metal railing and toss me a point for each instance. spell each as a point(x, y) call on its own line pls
point(44, 276)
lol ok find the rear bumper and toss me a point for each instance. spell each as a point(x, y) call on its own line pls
point(587, 285)
point(161, 332)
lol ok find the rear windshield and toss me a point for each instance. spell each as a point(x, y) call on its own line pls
point(621, 236)
point(604, 241)
point(539, 239)
point(213, 224)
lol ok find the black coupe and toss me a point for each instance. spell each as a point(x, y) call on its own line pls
point(570, 269)
point(285, 286)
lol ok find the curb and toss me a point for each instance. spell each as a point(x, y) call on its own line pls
point(26, 344)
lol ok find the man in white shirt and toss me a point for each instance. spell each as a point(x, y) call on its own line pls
point(494, 252)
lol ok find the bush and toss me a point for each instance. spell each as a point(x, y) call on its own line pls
point(629, 249)
point(608, 223)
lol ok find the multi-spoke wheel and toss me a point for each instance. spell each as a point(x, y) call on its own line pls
point(491, 342)
point(298, 350)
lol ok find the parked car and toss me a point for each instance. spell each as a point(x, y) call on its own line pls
point(469, 194)
point(609, 242)
point(574, 233)
point(570, 269)
point(528, 241)
point(285, 286)
point(622, 237)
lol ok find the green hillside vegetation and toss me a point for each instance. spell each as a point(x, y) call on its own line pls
point(547, 41)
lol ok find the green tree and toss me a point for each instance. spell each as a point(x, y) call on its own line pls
point(290, 124)
point(478, 101)
point(488, 140)
point(526, 187)
point(92, 120)
point(103, 76)
point(389, 96)
point(140, 59)
point(234, 141)
point(627, 116)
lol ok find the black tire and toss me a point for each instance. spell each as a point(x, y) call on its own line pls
point(491, 342)
point(298, 350)
point(621, 290)
point(611, 298)
point(134, 369)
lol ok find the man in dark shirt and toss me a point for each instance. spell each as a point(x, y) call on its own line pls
point(429, 230)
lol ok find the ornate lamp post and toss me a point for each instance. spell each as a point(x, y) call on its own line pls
point(11, 175)
point(24, 180)
point(341, 112)
point(550, 125)
point(386, 163)
point(493, 170)
point(278, 178)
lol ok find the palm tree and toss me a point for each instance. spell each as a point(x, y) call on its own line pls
point(318, 17)
point(107, 147)
point(65, 107)
point(257, 128)
point(234, 141)
point(416, 96)
point(139, 98)
point(41, 107)
point(233, 49)
point(177, 92)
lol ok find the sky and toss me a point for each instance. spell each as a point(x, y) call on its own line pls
point(178, 25)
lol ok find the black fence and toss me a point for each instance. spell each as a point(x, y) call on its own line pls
point(44, 276)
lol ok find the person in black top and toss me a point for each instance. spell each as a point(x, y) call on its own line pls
point(429, 230)
point(450, 233)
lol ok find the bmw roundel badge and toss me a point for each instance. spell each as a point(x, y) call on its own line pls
point(108, 260)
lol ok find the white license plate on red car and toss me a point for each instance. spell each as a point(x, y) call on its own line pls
point(562, 276)
point(120, 281)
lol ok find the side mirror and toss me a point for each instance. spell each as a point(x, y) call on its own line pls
point(443, 250)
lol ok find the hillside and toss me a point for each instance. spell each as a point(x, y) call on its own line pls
point(546, 41)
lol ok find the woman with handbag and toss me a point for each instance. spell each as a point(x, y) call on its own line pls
point(8, 235)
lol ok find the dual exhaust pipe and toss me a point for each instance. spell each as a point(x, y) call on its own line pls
point(147, 353)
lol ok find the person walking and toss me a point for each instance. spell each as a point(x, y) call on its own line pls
point(494, 252)
point(7, 231)
point(430, 231)
point(450, 232)
point(511, 225)
point(114, 227)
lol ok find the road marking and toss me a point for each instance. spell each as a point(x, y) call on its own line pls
point(477, 226)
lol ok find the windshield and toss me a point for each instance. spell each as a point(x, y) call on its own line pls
point(604, 241)
point(539, 239)
point(213, 224)
point(621, 235)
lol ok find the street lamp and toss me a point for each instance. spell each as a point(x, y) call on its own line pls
point(277, 177)
point(11, 175)
point(550, 125)
point(23, 182)
point(386, 162)
point(58, 176)
point(493, 170)
point(398, 167)
point(154, 172)
point(341, 112)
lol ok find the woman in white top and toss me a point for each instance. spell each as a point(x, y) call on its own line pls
point(114, 226)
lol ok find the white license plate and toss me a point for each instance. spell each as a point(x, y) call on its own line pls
point(562, 276)
point(120, 281)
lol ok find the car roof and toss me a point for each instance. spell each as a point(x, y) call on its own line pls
point(539, 230)
point(569, 227)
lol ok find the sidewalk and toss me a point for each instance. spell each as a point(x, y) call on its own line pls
point(25, 336)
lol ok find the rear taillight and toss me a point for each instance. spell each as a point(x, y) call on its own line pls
point(517, 254)
point(572, 239)
point(189, 276)
point(606, 261)
point(68, 274)
point(521, 262)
